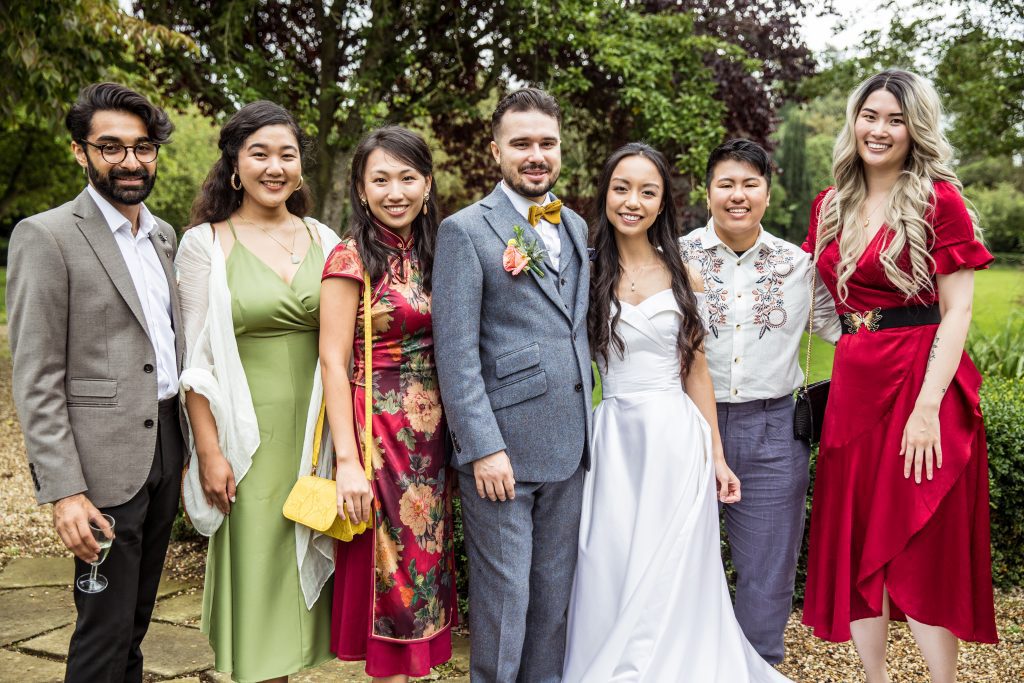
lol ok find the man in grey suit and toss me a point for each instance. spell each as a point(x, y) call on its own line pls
point(514, 366)
point(97, 348)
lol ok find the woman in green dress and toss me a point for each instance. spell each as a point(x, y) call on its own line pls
point(249, 273)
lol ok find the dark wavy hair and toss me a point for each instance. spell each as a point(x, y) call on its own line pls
point(116, 97)
point(605, 309)
point(218, 199)
point(412, 149)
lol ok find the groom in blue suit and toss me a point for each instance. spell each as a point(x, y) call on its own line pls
point(514, 366)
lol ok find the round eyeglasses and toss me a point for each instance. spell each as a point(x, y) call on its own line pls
point(115, 153)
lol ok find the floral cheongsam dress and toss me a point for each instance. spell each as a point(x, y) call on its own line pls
point(395, 588)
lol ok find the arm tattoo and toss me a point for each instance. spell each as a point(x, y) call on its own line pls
point(931, 353)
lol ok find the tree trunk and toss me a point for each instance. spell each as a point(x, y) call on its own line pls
point(333, 205)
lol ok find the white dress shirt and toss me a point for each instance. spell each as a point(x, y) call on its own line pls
point(150, 284)
point(548, 231)
point(756, 306)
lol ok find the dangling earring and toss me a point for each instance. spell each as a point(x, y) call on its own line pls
point(426, 198)
point(362, 200)
point(299, 186)
point(235, 179)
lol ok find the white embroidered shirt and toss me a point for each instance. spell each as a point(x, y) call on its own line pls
point(756, 307)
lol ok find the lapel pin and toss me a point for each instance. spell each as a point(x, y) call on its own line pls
point(162, 238)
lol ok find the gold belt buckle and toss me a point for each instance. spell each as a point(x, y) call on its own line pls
point(869, 319)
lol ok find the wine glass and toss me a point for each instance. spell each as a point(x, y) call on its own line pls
point(93, 582)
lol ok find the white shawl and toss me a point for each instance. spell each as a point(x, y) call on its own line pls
point(214, 370)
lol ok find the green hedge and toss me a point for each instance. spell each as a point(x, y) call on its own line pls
point(1002, 404)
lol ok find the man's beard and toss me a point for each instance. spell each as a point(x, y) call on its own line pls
point(106, 186)
point(523, 187)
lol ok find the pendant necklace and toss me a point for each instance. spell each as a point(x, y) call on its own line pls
point(867, 219)
point(636, 272)
point(291, 250)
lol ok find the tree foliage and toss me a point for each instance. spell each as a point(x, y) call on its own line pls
point(51, 49)
point(681, 74)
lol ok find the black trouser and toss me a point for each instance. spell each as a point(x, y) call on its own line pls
point(105, 647)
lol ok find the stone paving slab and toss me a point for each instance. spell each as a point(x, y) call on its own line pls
point(336, 671)
point(30, 611)
point(170, 587)
point(168, 650)
point(15, 666)
point(24, 572)
point(185, 609)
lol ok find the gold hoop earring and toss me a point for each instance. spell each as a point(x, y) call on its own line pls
point(299, 186)
point(234, 179)
point(426, 198)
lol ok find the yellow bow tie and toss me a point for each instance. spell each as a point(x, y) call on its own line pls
point(552, 213)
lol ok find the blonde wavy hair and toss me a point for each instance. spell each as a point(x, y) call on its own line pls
point(928, 160)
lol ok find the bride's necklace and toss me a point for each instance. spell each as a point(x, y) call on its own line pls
point(636, 273)
point(290, 249)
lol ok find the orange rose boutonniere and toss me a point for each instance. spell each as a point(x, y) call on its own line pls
point(522, 254)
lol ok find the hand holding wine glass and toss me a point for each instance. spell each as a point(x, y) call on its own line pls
point(102, 530)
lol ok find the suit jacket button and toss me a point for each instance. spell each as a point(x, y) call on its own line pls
point(562, 282)
point(579, 386)
point(574, 336)
point(148, 423)
point(147, 367)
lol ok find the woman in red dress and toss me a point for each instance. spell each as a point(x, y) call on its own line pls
point(394, 591)
point(900, 523)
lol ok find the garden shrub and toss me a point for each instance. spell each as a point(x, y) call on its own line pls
point(1000, 354)
point(1002, 404)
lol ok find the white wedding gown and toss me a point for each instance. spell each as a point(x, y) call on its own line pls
point(650, 601)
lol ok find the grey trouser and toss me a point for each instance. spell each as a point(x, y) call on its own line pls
point(766, 527)
point(522, 558)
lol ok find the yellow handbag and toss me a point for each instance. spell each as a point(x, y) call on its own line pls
point(313, 501)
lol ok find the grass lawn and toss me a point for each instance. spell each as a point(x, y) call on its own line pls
point(998, 293)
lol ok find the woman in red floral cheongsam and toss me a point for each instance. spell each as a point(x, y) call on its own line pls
point(394, 599)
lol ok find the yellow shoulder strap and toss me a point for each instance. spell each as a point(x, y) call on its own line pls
point(367, 392)
point(367, 380)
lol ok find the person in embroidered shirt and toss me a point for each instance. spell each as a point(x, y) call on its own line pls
point(757, 289)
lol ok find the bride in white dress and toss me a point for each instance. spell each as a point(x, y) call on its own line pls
point(650, 601)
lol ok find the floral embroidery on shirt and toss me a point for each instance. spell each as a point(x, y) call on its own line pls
point(774, 266)
point(710, 266)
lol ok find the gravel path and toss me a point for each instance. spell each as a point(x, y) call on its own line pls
point(26, 531)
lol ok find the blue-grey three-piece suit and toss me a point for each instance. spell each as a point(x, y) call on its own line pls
point(514, 366)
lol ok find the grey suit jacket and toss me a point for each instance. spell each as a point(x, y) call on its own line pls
point(85, 385)
point(511, 351)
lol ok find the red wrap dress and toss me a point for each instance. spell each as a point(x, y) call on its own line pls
point(927, 543)
point(394, 589)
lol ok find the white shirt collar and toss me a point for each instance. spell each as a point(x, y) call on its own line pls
point(521, 203)
point(709, 238)
point(117, 220)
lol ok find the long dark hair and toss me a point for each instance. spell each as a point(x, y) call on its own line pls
point(218, 199)
point(412, 149)
point(605, 309)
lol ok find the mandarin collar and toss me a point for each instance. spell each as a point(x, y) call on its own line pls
point(392, 239)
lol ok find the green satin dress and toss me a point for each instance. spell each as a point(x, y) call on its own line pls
point(253, 609)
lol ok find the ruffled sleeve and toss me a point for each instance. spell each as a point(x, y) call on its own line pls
point(955, 245)
point(812, 230)
point(344, 261)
